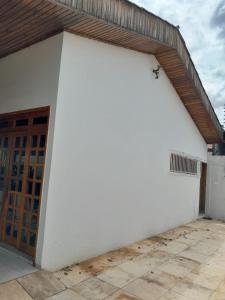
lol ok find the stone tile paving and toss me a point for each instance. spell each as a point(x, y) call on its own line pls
point(186, 263)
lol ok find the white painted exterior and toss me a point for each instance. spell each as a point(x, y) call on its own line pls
point(29, 79)
point(109, 145)
point(115, 127)
point(215, 194)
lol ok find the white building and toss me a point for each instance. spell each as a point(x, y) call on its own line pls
point(124, 149)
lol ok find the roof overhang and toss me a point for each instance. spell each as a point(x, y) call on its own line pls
point(119, 22)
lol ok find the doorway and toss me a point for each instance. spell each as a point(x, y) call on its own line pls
point(23, 138)
point(202, 196)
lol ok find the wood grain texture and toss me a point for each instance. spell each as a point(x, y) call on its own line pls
point(119, 22)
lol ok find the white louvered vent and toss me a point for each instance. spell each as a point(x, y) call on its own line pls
point(183, 164)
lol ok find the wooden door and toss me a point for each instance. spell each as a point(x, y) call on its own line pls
point(4, 163)
point(202, 195)
point(12, 216)
point(23, 182)
point(32, 192)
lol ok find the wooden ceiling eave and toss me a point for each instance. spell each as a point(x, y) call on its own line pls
point(119, 22)
point(200, 111)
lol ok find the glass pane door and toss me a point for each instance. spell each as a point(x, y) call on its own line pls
point(25, 177)
point(4, 157)
point(31, 205)
point(13, 211)
point(22, 158)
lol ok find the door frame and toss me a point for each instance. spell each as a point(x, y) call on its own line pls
point(30, 129)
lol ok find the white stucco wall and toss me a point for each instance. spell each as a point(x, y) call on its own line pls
point(115, 127)
point(29, 79)
point(215, 193)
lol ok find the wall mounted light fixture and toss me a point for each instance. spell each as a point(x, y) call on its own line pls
point(156, 72)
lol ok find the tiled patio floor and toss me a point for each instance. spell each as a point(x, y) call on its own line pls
point(182, 264)
point(13, 265)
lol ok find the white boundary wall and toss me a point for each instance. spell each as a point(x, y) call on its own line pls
point(215, 194)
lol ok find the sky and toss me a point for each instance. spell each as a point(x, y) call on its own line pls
point(202, 24)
